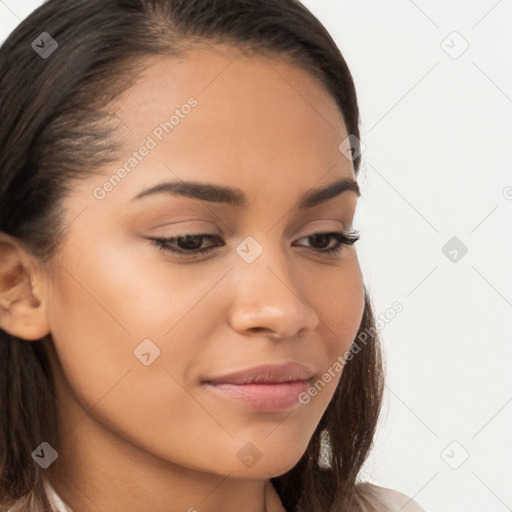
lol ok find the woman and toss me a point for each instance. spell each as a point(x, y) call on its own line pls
point(181, 300)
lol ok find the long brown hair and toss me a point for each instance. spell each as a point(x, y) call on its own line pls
point(54, 128)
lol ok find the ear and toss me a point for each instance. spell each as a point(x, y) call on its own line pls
point(22, 308)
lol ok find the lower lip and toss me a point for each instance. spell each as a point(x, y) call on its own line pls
point(263, 397)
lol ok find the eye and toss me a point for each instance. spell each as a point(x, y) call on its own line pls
point(341, 239)
point(190, 245)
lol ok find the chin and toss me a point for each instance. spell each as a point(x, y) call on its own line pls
point(271, 468)
point(269, 458)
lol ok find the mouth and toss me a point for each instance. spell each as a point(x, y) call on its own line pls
point(266, 388)
point(263, 397)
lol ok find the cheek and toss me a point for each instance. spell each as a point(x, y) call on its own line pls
point(339, 305)
point(108, 301)
point(105, 305)
point(112, 296)
point(130, 293)
point(338, 300)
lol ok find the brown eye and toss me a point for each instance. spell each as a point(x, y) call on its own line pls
point(189, 245)
point(341, 240)
point(186, 245)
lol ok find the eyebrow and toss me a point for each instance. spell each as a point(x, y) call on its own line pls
point(236, 197)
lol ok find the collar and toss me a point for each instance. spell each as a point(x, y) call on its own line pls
point(55, 500)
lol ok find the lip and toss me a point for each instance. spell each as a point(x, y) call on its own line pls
point(266, 374)
point(266, 388)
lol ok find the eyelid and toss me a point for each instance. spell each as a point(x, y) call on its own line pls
point(342, 239)
point(319, 226)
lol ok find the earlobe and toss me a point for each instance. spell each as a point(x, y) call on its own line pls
point(22, 308)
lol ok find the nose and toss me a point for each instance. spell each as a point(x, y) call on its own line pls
point(267, 299)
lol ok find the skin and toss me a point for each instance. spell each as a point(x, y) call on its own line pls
point(138, 437)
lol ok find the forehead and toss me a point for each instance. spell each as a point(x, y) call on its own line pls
point(223, 74)
point(254, 120)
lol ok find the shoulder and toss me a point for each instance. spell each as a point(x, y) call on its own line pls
point(397, 500)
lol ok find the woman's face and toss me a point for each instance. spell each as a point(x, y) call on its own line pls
point(138, 329)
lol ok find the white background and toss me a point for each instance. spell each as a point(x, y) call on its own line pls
point(437, 128)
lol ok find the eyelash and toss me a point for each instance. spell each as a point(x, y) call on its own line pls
point(342, 239)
